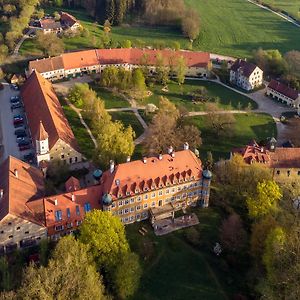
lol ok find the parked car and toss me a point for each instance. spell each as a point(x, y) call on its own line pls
point(18, 118)
point(20, 131)
point(21, 135)
point(24, 147)
point(14, 99)
point(14, 87)
point(21, 139)
point(15, 106)
point(18, 124)
point(29, 157)
point(23, 142)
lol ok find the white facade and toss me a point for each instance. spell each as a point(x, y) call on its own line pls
point(247, 83)
point(283, 98)
point(42, 150)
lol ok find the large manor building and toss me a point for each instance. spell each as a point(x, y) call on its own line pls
point(51, 133)
point(154, 188)
point(69, 65)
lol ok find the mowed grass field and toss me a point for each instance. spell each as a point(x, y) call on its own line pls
point(237, 27)
point(290, 6)
point(230, 27)
point(247, 127)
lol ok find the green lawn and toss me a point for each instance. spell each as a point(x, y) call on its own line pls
point(112, 100)
point(173, 269)
point(29, 46)
point(180, 95)
point(247, 127)
point(128, 118)
point(232, 27)
point(292, 7)
point(85, 143)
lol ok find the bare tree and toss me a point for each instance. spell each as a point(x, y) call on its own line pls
point(190, 24)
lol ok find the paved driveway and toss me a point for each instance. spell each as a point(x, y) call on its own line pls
point(7, 129)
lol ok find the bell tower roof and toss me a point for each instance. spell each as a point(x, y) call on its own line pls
point(42, 133)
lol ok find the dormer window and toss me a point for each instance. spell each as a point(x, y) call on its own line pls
point(153, 187)
point(119, 195)
point(127, 193)
point(136, 191)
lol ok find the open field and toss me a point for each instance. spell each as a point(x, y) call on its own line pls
point(231, 27)
point(247, 127)
point(128, 118)
point(174, 269)
point(180, 95)
point(292, 7)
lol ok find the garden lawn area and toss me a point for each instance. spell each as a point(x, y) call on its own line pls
point(30, 46)
point(180, 95)
point(292, 7)
point(174, 269)
point(247, 127)
point(111, 100)
point(128, 118)
point(85, 143)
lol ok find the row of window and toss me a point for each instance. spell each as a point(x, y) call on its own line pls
point(288, 172)
point(59, 215)
point(68, 226)
point(138, 217)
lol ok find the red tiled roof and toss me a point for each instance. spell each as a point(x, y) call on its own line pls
point(46, 64)
point(91, 195)
point(128, 177)
point(41, 103)
point(22, 184)
point(246, 67)
point(42, 134)
point(283, 89)
point(80, 59)
point(50, 24)
point(68, 19)
point(72, 184)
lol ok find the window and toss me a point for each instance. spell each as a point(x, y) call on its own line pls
point(153, 195)
point(69, 225)
point(153, 204)
point(298, 173)
point(26, 232)
point(179, 189)
point(87, 207)
point(132, 200)
point(68, 212)
point(126, 210)
point(113, 205)
point(11, 236)
point(145, 205)
point(77, 210)
point(138, 207)
point(58, 215)
point(59, 227)
point(146, 197)
point(9, 223)
point(1, 231)
point(126, 201)
point(18, 228)
point(132, 209)
point(160, 193)
point(62, 156)
point(167, 191)
point(288, 173)
point(121, 203)
point(278, 172)
point(121, 212)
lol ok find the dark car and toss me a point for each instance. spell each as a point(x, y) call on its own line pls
point(29, 157)
point(18, 125)
point(18, 122)
point(18, 117)
point(23, 142)
point(20, 131)
point(14, 99)
point(21, 139)
point(24, 147)
point(16, 105)
point(21, 135)
point(14, 87)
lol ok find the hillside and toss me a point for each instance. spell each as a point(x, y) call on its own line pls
point(290, 6)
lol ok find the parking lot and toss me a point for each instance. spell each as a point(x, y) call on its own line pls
point(9, 139)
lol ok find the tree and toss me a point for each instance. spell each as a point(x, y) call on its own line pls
point(189, 134)
point(233, 235)
point(138, 81)
point(293, 60)
point(127, 275)
point(209, 163)
point(105, 234)
point(126, 44)
point(162, 70)
point(50, 43)
point(180, 70)
point(109, 77)
point(80, 94)
point(70, 274)
point(5, 282)
point(190, 24)
point(265, 199)
point(220, 124)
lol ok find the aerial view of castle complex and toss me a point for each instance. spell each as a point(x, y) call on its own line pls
point(150, 149)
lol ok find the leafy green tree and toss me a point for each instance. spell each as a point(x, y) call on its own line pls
point(190, 24)
point(80, 94)
point(127, 275)
point(162, 70)
point(109, 77)
point(70, 274)
point(180, 70)
point(5, 282)
point(265, 200)
point(138, 81)
point(50, 43)
point(105, 234)
point(126, 44)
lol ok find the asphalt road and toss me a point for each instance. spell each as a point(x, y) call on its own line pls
point(6, 124)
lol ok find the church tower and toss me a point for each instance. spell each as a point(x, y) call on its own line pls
point(42, 144)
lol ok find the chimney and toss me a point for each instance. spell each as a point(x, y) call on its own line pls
point(128, 158)
point(73, 197)
point(1, 193)
point(55, 202)
point(16, 173)
point(144, 160)
point(111, 166)
point(186, 146)
point(170, 150)
point(160, 156)
point(173, 154)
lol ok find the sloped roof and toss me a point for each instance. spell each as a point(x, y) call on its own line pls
point(247, 68)
point(128, 177)
point(80, 59)
point(22, 184)
point(42, 134)
point(68, 19)
point(283, 89)
point(46, 64)
point(50, 24)
point(42, 104)
point(72, 184)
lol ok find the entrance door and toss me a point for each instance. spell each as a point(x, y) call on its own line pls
point(160, 203)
